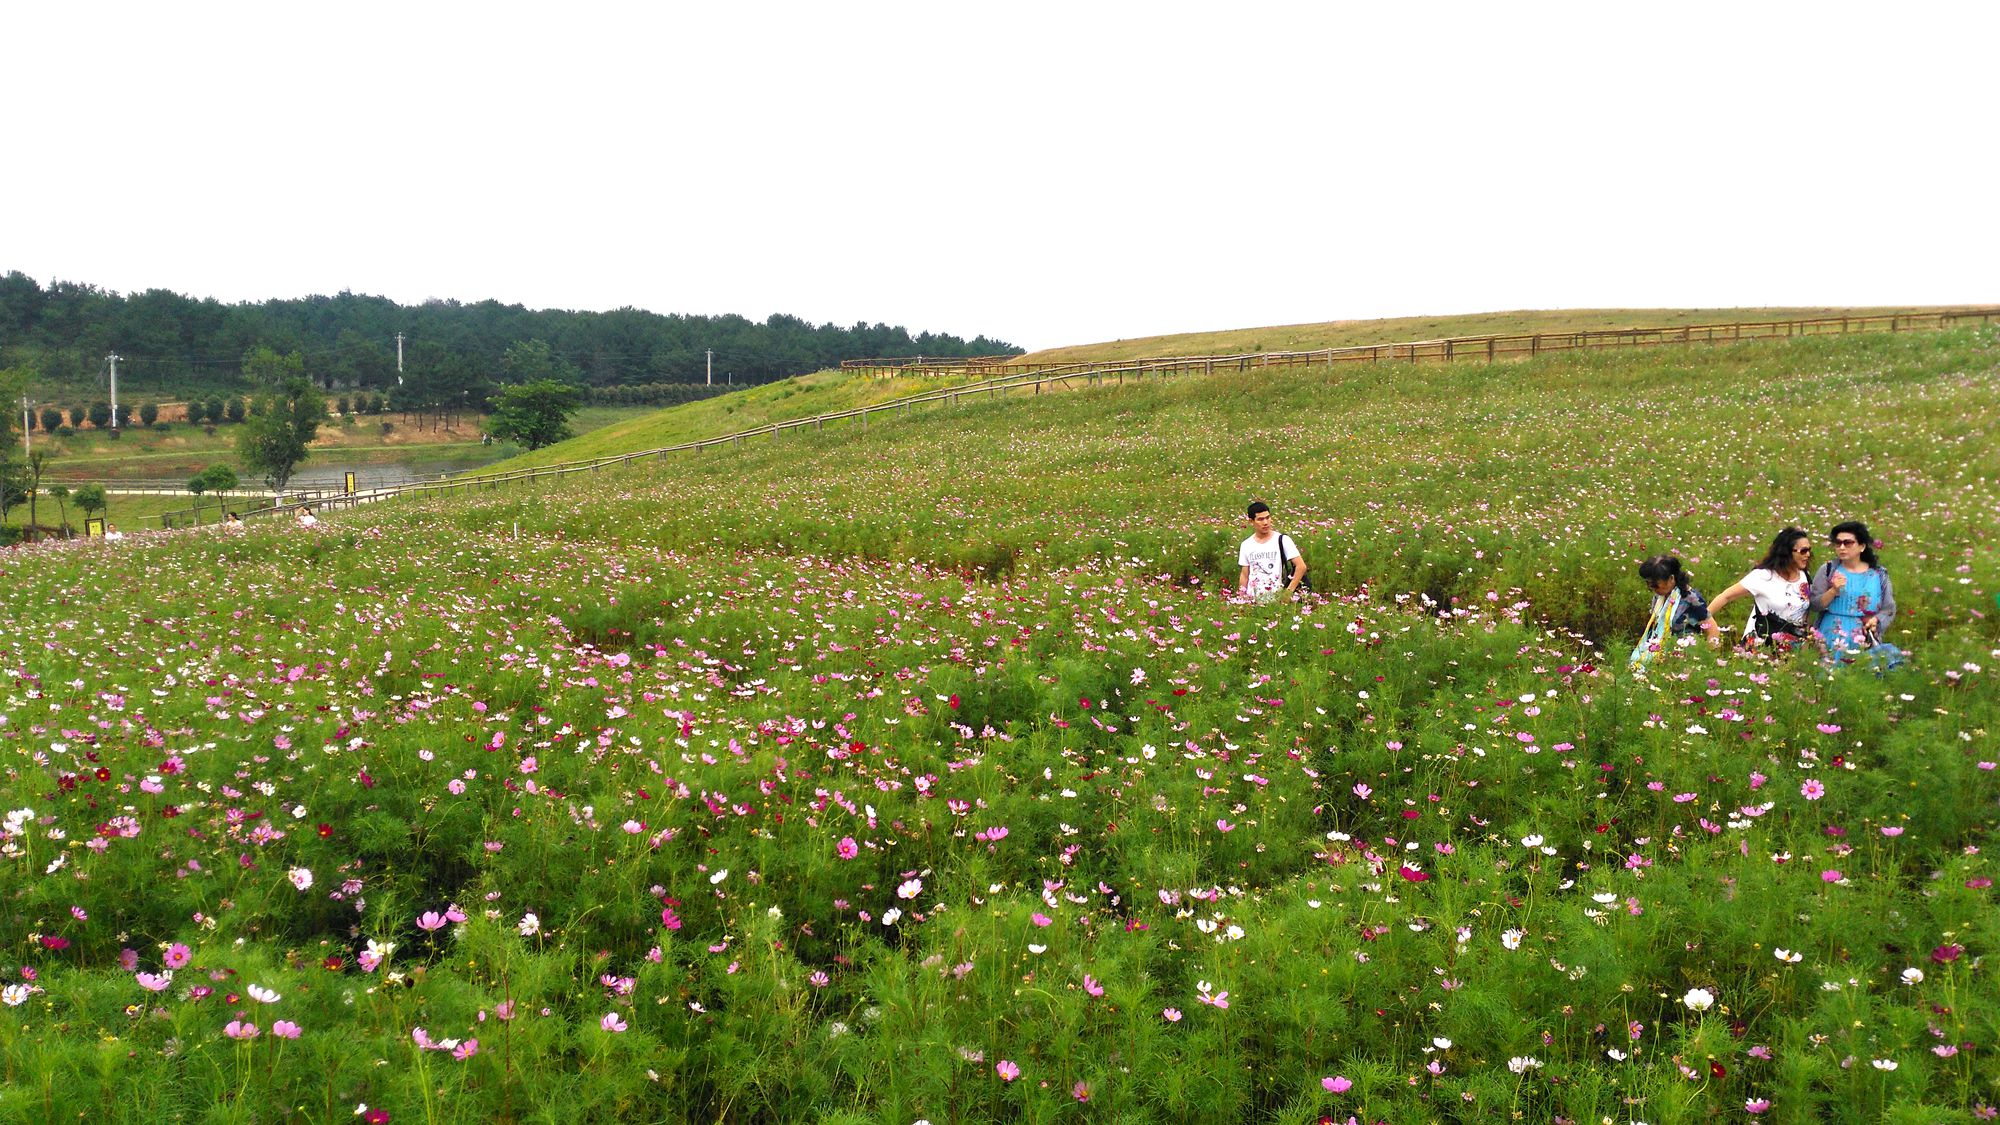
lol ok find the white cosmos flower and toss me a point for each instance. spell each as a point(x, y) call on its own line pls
point(1699, 999)
point(262, 995)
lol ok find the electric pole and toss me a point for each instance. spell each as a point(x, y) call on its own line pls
point(114, 357)
point(27, 447)
point(399, 359)
point(711, 367)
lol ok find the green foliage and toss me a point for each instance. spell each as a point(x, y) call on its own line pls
point(100, 414)
point(280, 437)
point(233, 410)
point(265, 368)
point(51, 418)
point(534, 414)
point(1446, 860)
point(91, 499)
point(533, 361)
point(149, 413)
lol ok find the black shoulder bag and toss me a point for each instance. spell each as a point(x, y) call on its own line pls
point(1285, 569)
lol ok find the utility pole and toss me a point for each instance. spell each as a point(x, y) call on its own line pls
point(27, 447)
point(114, 357)
point(399, 359)
point(711, 367)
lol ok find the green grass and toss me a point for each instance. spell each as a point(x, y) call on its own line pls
point(801, 396)
point(1345, 333)
point(844, 773)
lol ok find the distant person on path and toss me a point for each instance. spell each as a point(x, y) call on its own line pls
point(307, 519)
point(233, 523)
point(1678, 608)
point(1781, 592)
point(1263, 559)
point(1855, 600)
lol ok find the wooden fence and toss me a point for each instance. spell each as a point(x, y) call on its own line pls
point(1003, 379)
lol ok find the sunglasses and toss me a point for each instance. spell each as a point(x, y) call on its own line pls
point(1847, 542)
point(1802, 550)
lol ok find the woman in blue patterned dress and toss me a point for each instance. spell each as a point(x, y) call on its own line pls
point(1855, 600)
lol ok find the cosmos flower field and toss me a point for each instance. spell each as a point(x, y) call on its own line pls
point(932, 774)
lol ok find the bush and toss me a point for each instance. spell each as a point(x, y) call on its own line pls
point(149, 413)
point(233, 411)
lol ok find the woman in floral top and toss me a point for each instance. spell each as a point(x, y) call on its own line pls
point(1781, 591)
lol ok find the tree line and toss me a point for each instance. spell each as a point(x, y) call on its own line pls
point(174, 345)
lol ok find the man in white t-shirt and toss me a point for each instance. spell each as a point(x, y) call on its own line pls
point(1260, 574)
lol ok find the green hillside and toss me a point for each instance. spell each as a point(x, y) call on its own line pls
point(836, 390)
point(934, 772)
point(801, 396)
point(1345, 333)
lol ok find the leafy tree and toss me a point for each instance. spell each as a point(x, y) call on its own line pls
point(375, 404)
point(217, 479)
point(32, 478)
point(273, 443)
point(532, 361)
point(52, 419)
point(13, 486)
point(267, 368)
point(535, 414)
point(340, 405)
point(149, 412)
point(100, 414)
point(78, 416)
point(233, 410)
point(90, 498)
point(216, 410)
point(60, 494)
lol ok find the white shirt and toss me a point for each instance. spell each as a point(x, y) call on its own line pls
point(1262, 560)
point(1774, 595)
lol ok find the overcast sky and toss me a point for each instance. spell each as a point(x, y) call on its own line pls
point(1042, 173)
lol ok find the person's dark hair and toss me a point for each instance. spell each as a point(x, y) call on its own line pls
point(1256, 506)
point(1664, 566)
point(1860, 531)
point(1779, 557)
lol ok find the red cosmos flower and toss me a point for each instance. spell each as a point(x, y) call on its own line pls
point(325, 831)
point(954, 701)
point(103, 774)
point(1413, 875)
point(1715, 1070)
point(333, 964)
point(1083, 701)
point(1947, 953)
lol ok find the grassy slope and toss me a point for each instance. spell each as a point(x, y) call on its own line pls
point(797, 397)
point(1343, 333)
point(1535, 483)
point(827, 391)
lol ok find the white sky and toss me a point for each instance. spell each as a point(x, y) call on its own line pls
point(1043, 173)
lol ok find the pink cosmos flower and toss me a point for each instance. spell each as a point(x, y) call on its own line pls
point(1080, 1091)
point(528, 765)
point(847, 848)
point(465, 1050)
point(177, 956)
point(1812, 790)
point(1831, 875)
point(1171, 1015)
point(1756, 1105)
point(1006, 1069)
point(430, 920)
point(285, 1029)
point(240, 1029)
point(1091, 986)
point(611, 1022)
point(1040, 919)
point(1338, 1084)
point(154, 982)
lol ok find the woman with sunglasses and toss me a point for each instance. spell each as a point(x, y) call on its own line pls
point(1852, 593)
point(1782, 594)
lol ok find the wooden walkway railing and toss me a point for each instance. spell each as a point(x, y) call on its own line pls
point(1008, 378)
